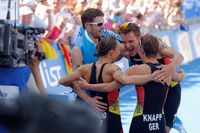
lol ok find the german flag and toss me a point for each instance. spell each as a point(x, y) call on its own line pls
point(66, 53)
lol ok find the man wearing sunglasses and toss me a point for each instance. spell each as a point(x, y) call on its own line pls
point(131, 34)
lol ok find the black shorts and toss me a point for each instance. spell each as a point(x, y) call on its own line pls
point(172, 104)
point(139, 125)
point(114, 124)
point(110, 122)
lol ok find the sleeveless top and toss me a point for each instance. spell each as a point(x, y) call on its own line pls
point(111, 117)
point(151, 96)
point(148, 115)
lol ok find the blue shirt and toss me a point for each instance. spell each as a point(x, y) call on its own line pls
point(87, 47)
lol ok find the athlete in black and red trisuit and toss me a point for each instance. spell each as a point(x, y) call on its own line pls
point(130, 33)
point(111, 116)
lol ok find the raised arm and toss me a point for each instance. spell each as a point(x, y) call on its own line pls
point(177, 59)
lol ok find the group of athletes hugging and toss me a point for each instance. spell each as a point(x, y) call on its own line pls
point(152, 69)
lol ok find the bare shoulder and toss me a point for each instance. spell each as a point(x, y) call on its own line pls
point(111, 68)
point(142, 69)
point(86, 67)
point(114, 66)
point(85, 71)
point(75, 51)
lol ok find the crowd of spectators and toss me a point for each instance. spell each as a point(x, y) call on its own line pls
point(61, 18)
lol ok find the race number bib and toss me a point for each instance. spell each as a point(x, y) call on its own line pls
point(8, 93)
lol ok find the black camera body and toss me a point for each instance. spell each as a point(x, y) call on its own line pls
point(16, 43)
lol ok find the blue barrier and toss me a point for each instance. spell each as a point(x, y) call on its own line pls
point(186, 42)
point(195, 39)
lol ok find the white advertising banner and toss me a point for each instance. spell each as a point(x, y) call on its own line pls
point(196, 40)
point(184, 45)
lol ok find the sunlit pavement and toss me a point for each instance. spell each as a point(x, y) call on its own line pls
point(189, 110)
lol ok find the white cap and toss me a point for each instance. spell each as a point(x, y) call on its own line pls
point(25, 10)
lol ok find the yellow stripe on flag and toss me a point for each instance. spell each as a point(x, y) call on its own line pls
point(49, 51)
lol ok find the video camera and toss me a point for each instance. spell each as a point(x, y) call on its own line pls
point(17, 43)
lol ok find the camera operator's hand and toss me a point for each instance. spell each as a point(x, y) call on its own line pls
point(34, 65)
point(38, 53)
point(34, 62)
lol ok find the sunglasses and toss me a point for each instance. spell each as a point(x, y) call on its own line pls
point(123, 27)
point(97, 24)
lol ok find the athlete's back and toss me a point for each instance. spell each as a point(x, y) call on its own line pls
point(148, 115)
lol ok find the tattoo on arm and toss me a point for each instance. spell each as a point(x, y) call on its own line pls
point(120, 71)
point(77, 66)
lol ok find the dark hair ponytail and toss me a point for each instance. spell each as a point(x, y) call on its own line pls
point(105, 45)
